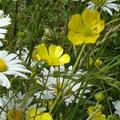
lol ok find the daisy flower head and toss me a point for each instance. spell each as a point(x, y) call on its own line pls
point(4, 21)
point(12, 106)
point(82, 30)
point(53, 55)
point(10, 65)
point(54, 83)
point(105, 5)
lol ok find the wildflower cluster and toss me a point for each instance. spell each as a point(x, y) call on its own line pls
point(59, 60)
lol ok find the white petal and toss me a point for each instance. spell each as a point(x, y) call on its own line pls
point(2, 36)
point(1, 13)
point(113, 6)
point(4, 81)
point(10, 57)
point(16, 74)
point(5, 21)
point(107, 10)
point(3, 54)
point(1, 44)
point(3, 30)
point(110, 1)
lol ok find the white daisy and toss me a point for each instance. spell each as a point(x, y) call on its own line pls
point(117, 107)
point(53, 82)
point(13, 105)
point(10, 65)
point(4, 21)
point(105, 5)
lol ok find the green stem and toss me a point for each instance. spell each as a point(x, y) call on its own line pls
point(76, 108)
point(55, 102)
point(78, 58)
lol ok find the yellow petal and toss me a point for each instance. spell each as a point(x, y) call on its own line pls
point(55, 51)
point(90, 17)
point(75, 23)
point(45, 116)
point(91, 39)
point(75, 38)
point(42, 52)
point(101, 26)
point(53, 61)
point(58, 51)
point(64, 59)
point(52, 50)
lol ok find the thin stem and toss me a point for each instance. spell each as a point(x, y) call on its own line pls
point(76, 108)
point(78, 58)
point(55, 102)
point(89, 118)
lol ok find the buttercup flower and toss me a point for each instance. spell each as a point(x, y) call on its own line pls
point(53, 56)
point(10, 65)
point(105, 5)
point(82, 30)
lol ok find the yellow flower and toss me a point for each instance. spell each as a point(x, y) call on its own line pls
point(53, 56)
point(34, 114)
point(85, 27)
point(95, 114)
point(98, 63)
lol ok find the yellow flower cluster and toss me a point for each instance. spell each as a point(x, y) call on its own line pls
point(34, 114)
point(53, 55)
point(98, 62)
point(85, 27)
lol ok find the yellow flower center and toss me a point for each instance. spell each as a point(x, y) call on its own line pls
point(87, 31)
point(61, 87)
point(98, 2)
point(3, 66)
point(14, 115)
